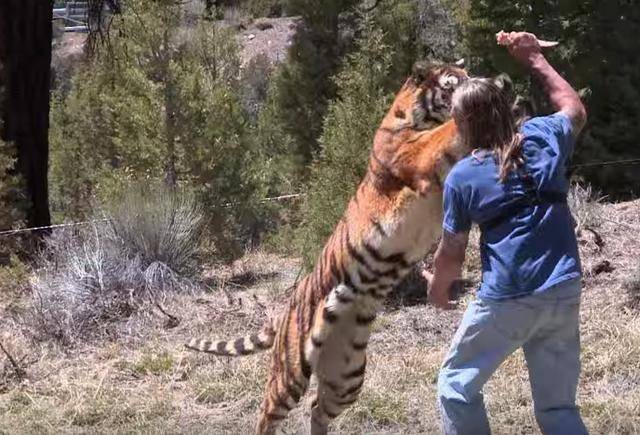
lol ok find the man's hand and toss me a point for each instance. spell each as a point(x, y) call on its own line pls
point(523, 46)
point(447, 264)
point(526, 48)
point(437, 297)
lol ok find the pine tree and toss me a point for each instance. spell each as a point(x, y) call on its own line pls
point(366, 85)
point(597, 54)
point(303, 85)
point(161, 102)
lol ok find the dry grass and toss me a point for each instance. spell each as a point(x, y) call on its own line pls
point(145, 382)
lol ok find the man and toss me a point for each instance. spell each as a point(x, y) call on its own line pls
point(514, 187)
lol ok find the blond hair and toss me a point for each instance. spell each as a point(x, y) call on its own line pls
point(483, 114)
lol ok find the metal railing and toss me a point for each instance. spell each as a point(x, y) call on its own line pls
point(74, 14)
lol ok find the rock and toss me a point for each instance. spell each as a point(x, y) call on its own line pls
point(603, 266)
point(263, 24)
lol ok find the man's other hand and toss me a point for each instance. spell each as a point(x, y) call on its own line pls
point(439, 298)
point(523, 46)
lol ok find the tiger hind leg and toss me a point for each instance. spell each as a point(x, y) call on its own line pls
point(282, 394)
point(331, 400)
point(289, 376)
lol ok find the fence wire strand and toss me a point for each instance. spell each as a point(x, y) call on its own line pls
point(72, 224)
point(292, 196)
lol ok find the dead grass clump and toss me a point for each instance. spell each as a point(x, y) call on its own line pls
point(632, 286)
point(154, 364)
point(586, 206)
point(232, 382)
point(89, 276)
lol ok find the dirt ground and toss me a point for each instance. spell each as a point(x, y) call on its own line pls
point(140, 379)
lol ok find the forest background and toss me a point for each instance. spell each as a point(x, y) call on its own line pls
point(196, 154)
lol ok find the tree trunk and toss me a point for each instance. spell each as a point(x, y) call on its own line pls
point(171, 176)
point(25, 52)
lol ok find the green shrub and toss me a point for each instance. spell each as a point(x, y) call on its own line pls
point(348, 130)
point(162, 102)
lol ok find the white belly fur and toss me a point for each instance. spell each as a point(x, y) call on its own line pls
point(412, 230)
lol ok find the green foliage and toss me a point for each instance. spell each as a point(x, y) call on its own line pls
point(12, 200)
point(597, 53)
point(266, 8)
point(303, 86)
point(349, 127)
point(440, 29)
point(161, 102)
point(106, 130)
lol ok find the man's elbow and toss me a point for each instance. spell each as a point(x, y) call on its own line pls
point(577, 114)
point(580, 116)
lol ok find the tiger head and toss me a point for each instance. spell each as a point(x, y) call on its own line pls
point(424, 102)
point(434, 86)
point(418, 142)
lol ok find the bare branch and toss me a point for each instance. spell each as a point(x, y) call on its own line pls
point(19, 371)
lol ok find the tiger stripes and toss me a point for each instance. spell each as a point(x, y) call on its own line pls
point(389, 225)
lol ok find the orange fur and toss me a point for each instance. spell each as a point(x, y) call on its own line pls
point(389, 224)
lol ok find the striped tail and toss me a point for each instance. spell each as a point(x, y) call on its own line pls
point(247, 345)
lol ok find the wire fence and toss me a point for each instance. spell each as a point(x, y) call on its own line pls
point(634, 161)
point(95, 221)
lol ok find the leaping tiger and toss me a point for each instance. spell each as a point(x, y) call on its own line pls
point(390, 223)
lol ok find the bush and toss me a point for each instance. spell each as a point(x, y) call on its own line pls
point(254, 81)
point(632, 286)
point(158, 224)
point(348, 130)
point(266, 8)
point(147, 248)
point(586, 207)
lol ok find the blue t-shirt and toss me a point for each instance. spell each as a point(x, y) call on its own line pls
point(535, 248)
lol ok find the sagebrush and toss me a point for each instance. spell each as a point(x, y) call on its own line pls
point(141, 249)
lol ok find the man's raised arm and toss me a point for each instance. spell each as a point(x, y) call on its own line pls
point(527, 49)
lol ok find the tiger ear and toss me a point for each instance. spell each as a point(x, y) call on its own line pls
point(421, 70)
point(460, 63)
point(503, 81)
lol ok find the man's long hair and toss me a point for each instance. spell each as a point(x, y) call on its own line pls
point(483, 114)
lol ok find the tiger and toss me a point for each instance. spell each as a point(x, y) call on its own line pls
point(390, 223)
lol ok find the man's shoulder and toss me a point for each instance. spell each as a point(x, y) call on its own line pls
point(468, 168)
point(549, 124)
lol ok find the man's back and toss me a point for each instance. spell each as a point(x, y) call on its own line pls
point(528, 243)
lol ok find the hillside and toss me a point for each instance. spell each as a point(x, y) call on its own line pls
point(138, 377)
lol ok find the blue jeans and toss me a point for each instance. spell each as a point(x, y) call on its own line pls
point(546, 326)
